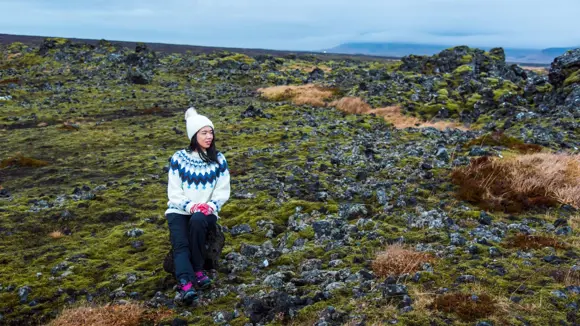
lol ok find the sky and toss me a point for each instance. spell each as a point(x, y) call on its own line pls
point(301, 24)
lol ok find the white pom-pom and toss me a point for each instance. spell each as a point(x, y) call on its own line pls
point(190, 113)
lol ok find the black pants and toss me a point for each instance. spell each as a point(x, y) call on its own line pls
point(187, 233)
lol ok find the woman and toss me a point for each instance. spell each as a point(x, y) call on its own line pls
point(198, 187)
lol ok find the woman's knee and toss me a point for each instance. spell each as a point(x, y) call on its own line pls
point(197, 220)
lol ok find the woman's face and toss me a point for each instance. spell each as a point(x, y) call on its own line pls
point(205, 137)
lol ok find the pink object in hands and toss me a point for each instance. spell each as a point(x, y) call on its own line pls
point(205, 209)
point(194, 208)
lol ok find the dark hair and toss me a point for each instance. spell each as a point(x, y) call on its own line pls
point(209, 155)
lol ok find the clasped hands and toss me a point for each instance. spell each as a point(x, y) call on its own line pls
point(204, 208)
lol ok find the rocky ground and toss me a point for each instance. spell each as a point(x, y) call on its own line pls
point(316, 193)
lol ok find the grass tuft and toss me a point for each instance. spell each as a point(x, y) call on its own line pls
point(130, 314)
point(396, 260)
point(520, 182)
point(300, 95)
point(20, 160)
point(466, 306)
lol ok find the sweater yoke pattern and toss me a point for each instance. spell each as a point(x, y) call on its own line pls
point(195, 172)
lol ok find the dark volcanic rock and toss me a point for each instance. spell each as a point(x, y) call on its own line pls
point(240, 229)
point(253, 112)
point(138, 76)
point(563, 66)
point(263, 309)
point(4, 193)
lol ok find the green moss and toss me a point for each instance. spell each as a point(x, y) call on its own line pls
point(453, 107)
point(307, 233)
point(466, 58)
point(474, 98)
point(492, 81)
point(546, 88)
point(443, 92)
point(573, 78)
point(296, 257)
point(472, 214)
point(463, 70)
point(58, 40)
point(409, 161)
point(241, 58)
point(501, 139)
point(30, 59)
point(440, 84)
point(16, 47)
point(428, 111)
point(506, 88)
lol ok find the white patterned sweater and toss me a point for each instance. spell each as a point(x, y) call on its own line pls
point(192, 181)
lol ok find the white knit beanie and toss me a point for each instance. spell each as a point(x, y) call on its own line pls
point(195, 121)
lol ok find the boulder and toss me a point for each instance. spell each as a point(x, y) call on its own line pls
point(564, 66)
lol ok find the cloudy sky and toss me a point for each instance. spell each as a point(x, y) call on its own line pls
point(301, 24)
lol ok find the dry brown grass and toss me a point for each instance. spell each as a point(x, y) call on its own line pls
point(524, 241)
point(539, 70)
point(305, 94)
point(463, 305)
point(56, 234)
point(130, 314)
point(394, 115)
point(421, 299)
point(567, 276)
point(13, 56)
point(520, 182)
point(572, 278)
point(574, 222)
point(20, 160)
point(318, 96)
point(9, 81)
point(396, 260)
point(352, 105)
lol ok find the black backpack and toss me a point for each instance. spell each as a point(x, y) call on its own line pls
point(214, 243)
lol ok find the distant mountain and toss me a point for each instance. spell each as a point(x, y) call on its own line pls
point(535, 56)
point(388, 49)
point(555, 51)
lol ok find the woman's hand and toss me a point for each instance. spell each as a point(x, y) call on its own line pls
point(203, 208)
point(194, 208)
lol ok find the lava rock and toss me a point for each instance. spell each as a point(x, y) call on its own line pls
point(139, 76)
point(484, 218)
point(564, 230)
point(133, 233)
point(494, 252)
point(4, 193)
point(397, 294)
point(457, 239)
point(253, 112)
point(466, 279)
point(321, 228)
point(240, 229)
point(352, 211)
point(264, 308)
point(559, 294)
point(23, 293)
